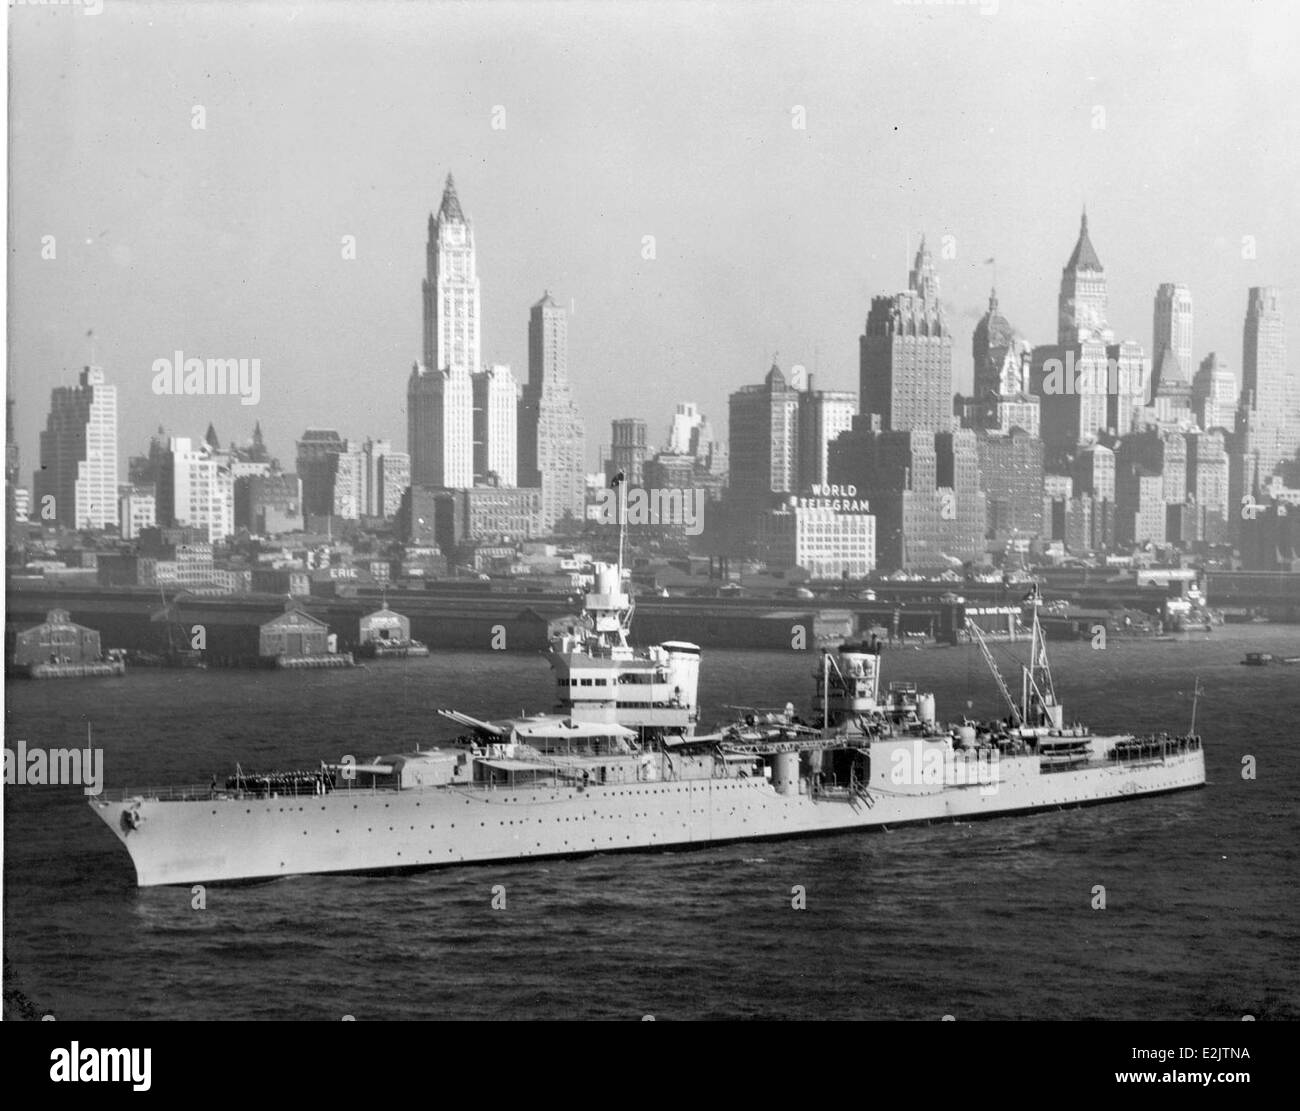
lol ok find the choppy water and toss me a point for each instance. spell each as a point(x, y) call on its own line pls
point(983, 920)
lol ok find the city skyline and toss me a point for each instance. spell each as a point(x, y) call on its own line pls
point(156, 258)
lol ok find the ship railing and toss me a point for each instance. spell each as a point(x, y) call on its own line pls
point(206, 792)
point(1153, 747)
point(174, 792)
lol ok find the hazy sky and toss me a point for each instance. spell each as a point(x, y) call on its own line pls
point(622, 120)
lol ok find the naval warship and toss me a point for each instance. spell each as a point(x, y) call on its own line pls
point(619, 764)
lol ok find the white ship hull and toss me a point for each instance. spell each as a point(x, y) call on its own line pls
point(366, 830)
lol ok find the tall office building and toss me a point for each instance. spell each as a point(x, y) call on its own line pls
point(683, 431)
point(1011, 476)
point(14, 492)
point(11, 444)
point(440, 399)
point(137, 509)
point(1002, 400)
point(1082, 303)
point(1171, 390)
point(350, 480)
point(1073, 408)
point(552, 438)
point(1128, 374)
point(1214, 394)
point(1207, 485)
point(691, 433)
point(451, 289)
point(823, 415)
point(317, 463)
point(268, 504)
point(496, 432)
point(1267, 414)
point(1087, 383)
point(905, 356)
point(1173, 327)
point(628, 451)
point(1160, 452)
point(195, 490)
point(989, 342)
point(764, 437)
point(1140, 507)
point(1094, 472)
point(79, 455)
point(348, 485)
point(387, 475)
point(923, 489)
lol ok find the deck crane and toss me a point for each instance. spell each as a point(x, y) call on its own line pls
point(993, 667)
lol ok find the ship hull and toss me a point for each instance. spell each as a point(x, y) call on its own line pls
point(367, 831)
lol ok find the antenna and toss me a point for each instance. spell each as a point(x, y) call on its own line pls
point(826, 692)
point(622, 526)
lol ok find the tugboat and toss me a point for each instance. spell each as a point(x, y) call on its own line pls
point(393, 650)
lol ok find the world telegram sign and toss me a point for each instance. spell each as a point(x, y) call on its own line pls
point(841, 499)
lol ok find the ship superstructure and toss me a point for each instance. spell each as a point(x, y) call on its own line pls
point(601, 678)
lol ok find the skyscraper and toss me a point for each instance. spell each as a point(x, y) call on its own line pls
point(348, 501)
point(12, 462)
point(1171, 390)
point(1173, 327)
point(905, 356)
point(823, 415)
point(764, 434)
point(1087, 382)
point(1082, 303)
point(387, 475)
point(79, 455)
point(691, 433)
point(1151, 464)
point(451, 289)
point(552, 437)
point(194, 490)
point(686, 420)
point(496, 434)
point(1263, 363)
point(923, 488)
point(1002, 400)
point(440, 401)
point(11, 444)
point(1214, 394)
point(1268, 398)
point(1207, 485)
point(628, 450)
point(317, 464)
point(989, 342)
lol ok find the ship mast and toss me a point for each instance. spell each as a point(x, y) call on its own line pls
point(1037, 677)
point(826, 691)
point(620, 480)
